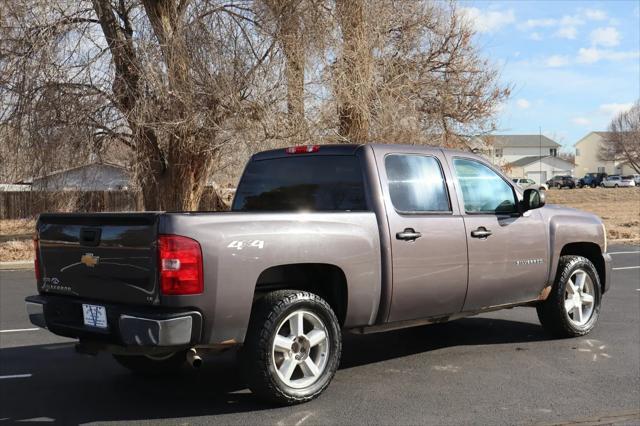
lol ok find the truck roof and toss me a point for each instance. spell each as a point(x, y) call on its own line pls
point(347, 149)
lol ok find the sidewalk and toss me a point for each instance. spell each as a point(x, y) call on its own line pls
point(20, 264)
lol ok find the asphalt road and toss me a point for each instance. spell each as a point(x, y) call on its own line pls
point(498, 368)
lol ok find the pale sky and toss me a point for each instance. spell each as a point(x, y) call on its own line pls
point(574, 64)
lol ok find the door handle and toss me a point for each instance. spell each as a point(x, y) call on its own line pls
point(409, 234)
point(481, 233)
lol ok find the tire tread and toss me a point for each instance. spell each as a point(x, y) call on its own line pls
point(264, 316)
point(551, 312)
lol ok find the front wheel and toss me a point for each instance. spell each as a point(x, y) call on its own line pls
point(293, 347)
point(153, 365)
point(573, 306)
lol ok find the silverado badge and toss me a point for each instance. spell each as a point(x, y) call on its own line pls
point(89, 259)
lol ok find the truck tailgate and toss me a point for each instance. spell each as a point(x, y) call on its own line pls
point(110, 257)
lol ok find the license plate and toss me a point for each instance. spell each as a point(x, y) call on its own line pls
point(94, 315)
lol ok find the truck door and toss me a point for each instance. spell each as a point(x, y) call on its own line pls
point(427, 233)
point(508, 253)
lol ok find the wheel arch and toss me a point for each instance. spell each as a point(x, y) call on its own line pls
point(590, 251)
point(324, 279)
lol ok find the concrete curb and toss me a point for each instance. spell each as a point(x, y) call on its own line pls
point(12, 266)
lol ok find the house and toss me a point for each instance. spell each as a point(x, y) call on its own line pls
point(98, 176)
point(540, 169)
point(505, 149)
point(523, 156)
point(588, 157)
point(14, 187)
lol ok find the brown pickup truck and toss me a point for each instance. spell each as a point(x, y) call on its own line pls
point(320, 240)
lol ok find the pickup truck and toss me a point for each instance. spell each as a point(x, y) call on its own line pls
point(320, 240)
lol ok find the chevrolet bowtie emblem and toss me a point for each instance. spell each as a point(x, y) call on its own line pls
point(90, 260)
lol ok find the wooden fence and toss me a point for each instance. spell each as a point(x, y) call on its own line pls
point(27, 204)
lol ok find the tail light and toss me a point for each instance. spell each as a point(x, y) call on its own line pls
point(302, 149)
point(180, 262)
point(36, 258)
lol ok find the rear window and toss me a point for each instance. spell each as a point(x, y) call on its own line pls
point(309, 183)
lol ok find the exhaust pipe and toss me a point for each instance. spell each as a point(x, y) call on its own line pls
point(193, 358)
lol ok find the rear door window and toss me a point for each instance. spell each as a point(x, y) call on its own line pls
point(416, 184)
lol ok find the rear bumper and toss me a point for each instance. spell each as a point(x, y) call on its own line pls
point(126, 325)
point(608, 272)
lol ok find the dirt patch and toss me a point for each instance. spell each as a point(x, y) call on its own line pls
point(619, 208)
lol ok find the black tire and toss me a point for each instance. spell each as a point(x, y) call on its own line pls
point(593, 185)
point(558, 186)
point(257, 358)
point(158, 365)
point(615, 186)
point(552, 313)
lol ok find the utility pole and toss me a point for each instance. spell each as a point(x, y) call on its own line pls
point(540, 152)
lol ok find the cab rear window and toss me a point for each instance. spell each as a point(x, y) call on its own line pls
point(306, 183)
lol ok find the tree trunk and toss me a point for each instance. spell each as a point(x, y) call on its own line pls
point(355, 72)
point(287, 15)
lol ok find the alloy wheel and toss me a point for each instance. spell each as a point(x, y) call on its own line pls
point(579, 298)
point(300, 349)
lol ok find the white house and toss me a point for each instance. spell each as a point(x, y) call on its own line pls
point(523, 156)
point(90, 177)
point(588, 157)
point(505, 149)
point(539, 169)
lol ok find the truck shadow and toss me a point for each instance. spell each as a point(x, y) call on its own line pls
point(371, 348)
point(69, 388)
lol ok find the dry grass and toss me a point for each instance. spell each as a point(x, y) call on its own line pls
point(17, 226)
point(16, 250)
point(619, 208)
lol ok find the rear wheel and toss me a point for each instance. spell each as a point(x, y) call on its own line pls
point(153, 365)
point(573, 306)
point(615, 186)
point(558, 186)
point(293, 347)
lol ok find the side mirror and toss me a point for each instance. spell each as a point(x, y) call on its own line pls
point(532, 199)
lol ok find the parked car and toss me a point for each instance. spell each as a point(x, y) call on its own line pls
point(591, 180)
point(615, 181)
point(319, 240)
point(562, 182)
point(530, 183)
point(636, 179)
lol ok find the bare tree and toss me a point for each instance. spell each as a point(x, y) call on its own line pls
point(409, 72)
point(183, 90)
point(169, 78)
point(354, 76)
point(622, 143)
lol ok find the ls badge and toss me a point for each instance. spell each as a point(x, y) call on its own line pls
point(90, 260)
